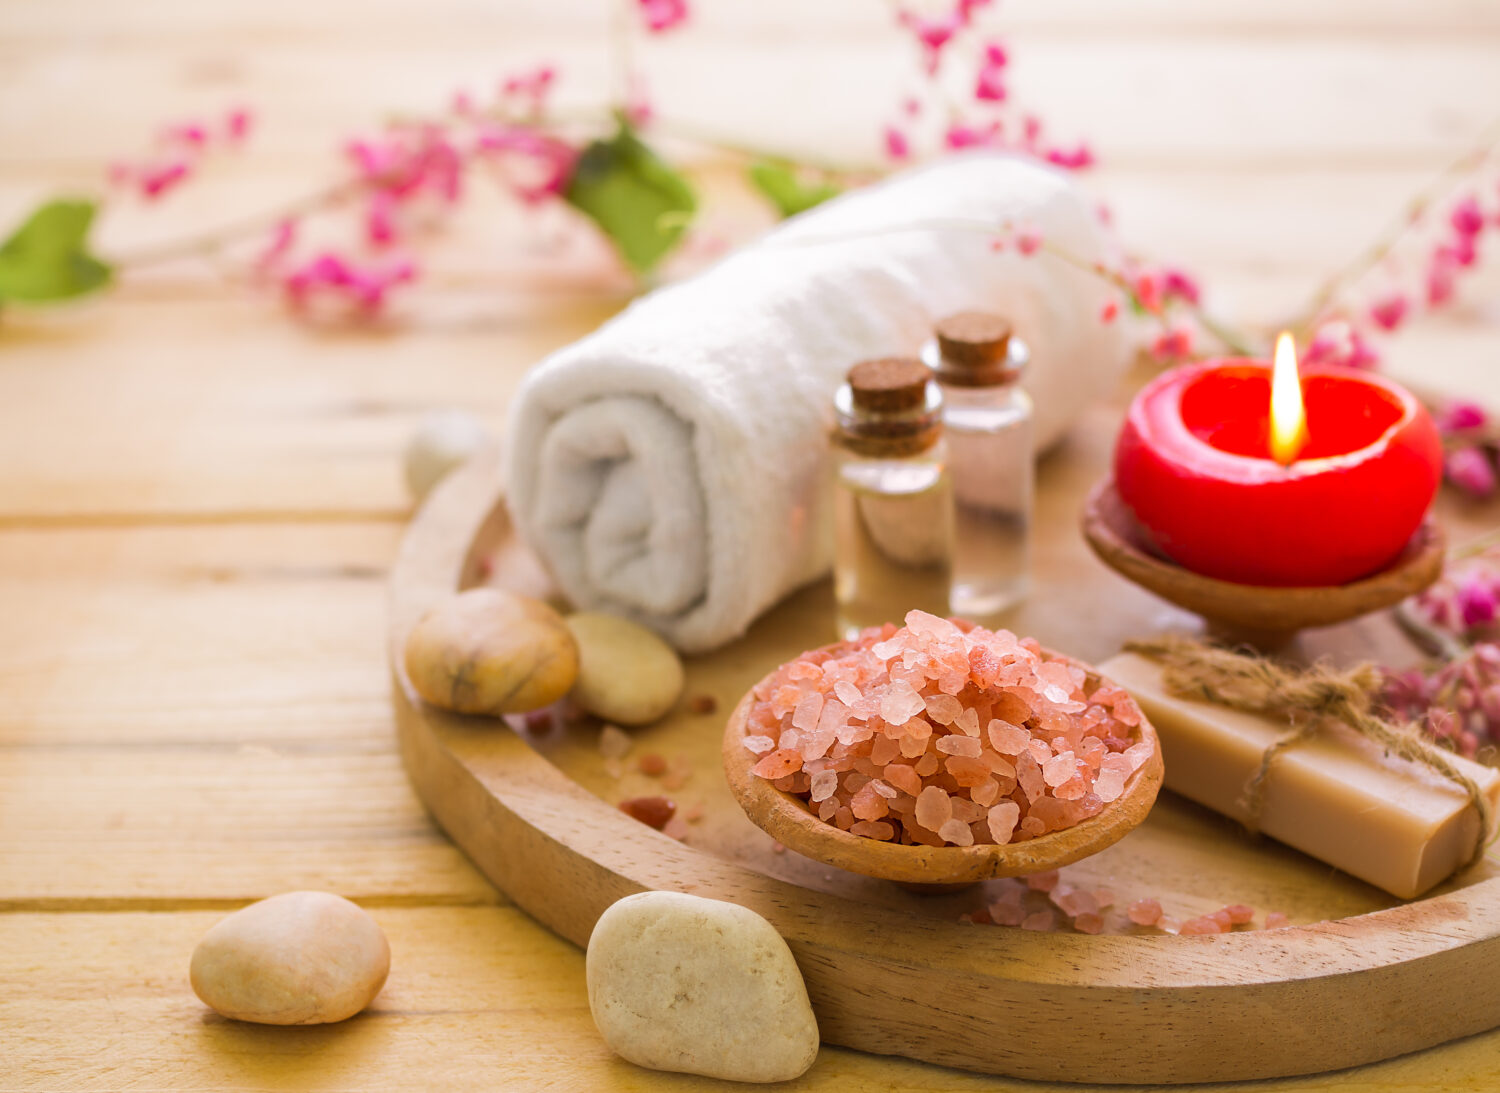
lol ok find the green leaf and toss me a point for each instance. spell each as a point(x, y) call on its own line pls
point(635, 198)
point(783, 187)
point(47, 257)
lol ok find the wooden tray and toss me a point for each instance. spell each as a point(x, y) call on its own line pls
point(1360, 977)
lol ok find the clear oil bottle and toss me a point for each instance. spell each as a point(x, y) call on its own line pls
point(987, 422)
point(893, 519)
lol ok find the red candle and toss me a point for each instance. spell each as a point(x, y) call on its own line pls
point(1194, 462)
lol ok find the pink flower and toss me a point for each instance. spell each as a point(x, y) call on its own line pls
point(1389, 312)
point(329, 275)
point(1471, 471)
point(896, 145)
point(1109, 312)
point(1476, 603)
point(1458, 417)
point(1028, 241)
point(1467, 218)
point(1339, 343)
point(1174, 344)
point(934, 34)
point(156, 181)
point(1148, 291)
point(547, 160)
point(1076, 160)
point(531, 87)
point(380, 219)
point(190, 133)
point(238, 123)
point(1439, 280)
point(663, 15)
point(283, 238)
point(960, 135)
point(1177, 284)
point(989, 86)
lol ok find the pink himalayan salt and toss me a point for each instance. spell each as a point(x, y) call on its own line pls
point(1239, 914)
point(1203, 924)
point(1043, 882)
point(973, 715)
point(1104, 897)
point(1039, 920)
point(1144, 912)
point(1089, 922)
point(1275, 920)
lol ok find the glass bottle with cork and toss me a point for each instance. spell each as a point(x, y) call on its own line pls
point(987, 420)
point(893, 512)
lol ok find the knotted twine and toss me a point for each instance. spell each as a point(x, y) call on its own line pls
point(1306, 697)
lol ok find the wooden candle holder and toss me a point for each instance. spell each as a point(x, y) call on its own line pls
point(1265, 616)
point(787, 819)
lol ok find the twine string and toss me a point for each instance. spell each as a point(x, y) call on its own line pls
point(1308, 698)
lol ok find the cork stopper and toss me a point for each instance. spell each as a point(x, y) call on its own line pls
point(974, 350)
point(889, 385)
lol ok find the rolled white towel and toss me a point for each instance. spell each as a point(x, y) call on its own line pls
point(672, 466)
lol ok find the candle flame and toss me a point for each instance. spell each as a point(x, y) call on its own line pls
point(1288, 417)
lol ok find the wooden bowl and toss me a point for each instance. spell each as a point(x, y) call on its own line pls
point(786, 818)
point(1253, 610)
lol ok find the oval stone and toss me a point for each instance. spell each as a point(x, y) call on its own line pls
point(679, 982)
point(626, 674)
point(300, 958)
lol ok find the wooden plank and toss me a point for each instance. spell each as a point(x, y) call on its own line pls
point(201, 714)
point(478, 997)
point(1231, 100)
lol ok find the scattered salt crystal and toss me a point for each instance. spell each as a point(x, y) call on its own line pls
point(1040, 920)
point(1239, 914)
point(954, 744)
point(1005, 913)
point(614, 742)
point(957, 832)
point(676, 828)
point(693, 813)
point(1203, 924)
point(1104, 897)
point(1144, 912)
point(1088, 923)
point(1043, 882)
point(759, 744)
point(1275, 920)
point(614, 768)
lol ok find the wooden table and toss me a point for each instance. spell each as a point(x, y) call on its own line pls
point(199, 499)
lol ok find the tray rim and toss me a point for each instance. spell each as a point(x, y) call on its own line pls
point(1310, 997)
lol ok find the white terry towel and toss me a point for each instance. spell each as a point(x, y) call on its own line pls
point(671, 466)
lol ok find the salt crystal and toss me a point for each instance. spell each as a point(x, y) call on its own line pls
point(815, 746)
point(933, 808)
point(823, 784)
point(847, 692)
point(805, 717)
point(901, 703)
point(943, 708)
point(759, 744)
point(778, 764)
point(967, 770)
point(885, 650)
point(1109, 785)
point(827, 808)
point(1059, 769)
point(1203, 924)
point(1029, 777)
point(1005, 913)
point(884, 750)
point(954, 744)
point(614, 742)
point(1038, 750)
point(1011, 707)
point(903, 778)
point(1104, 897)
point(1239, 914)
point(1041, 921)
point(968, 721)
point(869, 805)
point(957, 832)
point(1032, 825)
point(873, 829)
point(881, 788)
point(1088, 923)
point(1275, 920)
point(1007, 738)
point(1002, 819)
point(1144, 912)
point(985, 793)
point(1043, 882)
point(803, 669)
point(965, 810)
point(928, 764)
point(1139, 753)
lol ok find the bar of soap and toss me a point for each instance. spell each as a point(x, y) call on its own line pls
point(1335, 795)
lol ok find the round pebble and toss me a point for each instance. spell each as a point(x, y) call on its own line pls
point(488, 651)
point(626, 674)
point(682, 983)
point(443, 440)
point(301, 958)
